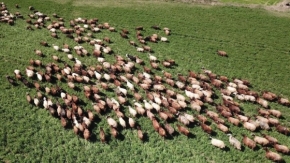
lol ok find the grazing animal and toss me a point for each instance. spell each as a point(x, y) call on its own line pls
point(218, 143)
point(235, 142)
point(222, 53)
point(102, 135)
point(249, 142)
point(282, 129)
point(140, 133)
point(281, 148)
point(260, 140)
point(169, 129)
point(273, 156)
point(112, 122)
point(87, 134)
point(183, 130)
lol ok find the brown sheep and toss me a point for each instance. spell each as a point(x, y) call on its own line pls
point(222, 53)
point(183, 130)
point(249, 142)
point(102, 135)
point(273, 156)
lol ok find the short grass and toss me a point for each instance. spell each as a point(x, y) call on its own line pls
point(257, 44)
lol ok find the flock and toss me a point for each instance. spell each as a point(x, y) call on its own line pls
point(173, 103)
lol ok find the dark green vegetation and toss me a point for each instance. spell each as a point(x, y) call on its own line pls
point(258, 48)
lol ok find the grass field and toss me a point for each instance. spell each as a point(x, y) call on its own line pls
point(257, 44)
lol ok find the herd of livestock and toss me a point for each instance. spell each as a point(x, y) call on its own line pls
point(166, 100)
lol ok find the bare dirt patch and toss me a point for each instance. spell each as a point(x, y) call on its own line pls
point(283, 6)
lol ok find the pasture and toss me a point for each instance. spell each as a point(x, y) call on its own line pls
point(256, 41)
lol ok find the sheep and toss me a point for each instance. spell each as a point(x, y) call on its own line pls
point(249, 142)
point(131, 122)
point(152, 57)
point(102, 135)
point(218, 143)
point(163, 39)
point(282, 129)
point(273, 121)
point(262, 102)
point(222, 127)
point(273, 156)
point(234, 121)
point(263, 125)
point(211, 114)
point(140, 133)
point(226, 97)
point(169, 128)
point(189, 117)
point(112, 122)
point(122, 122)
point(183, 130)
point(122, 90)
point(222, 53)
point(191, 95)
point(260, 140)
point(206, 128)
point(235, 142)
point(155, 105)
point(183, 119)
point(271, 139)
point(114, 132)
point(140, 49)
point(249, 126)
point(147, 105)
point(281, 148)
point(275, 113)
point(283, 101)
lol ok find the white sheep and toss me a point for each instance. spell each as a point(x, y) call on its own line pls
point(112, 122)
point(189, 117)
point(147, 105)
point(132, 111)
point(218, 143)
point(101, 59)
point(45, 104)
point(152, 57)
point(155, 106)
point(39, 76)
point(70, 56)
point(29, 73)
point(123, 90)
point(163, 39)
point(191, 95)
point(55, 47)
point(227, 97)
point(96, 29)
point(157, 100)
point(66, 50)
point(97, 75)
point(232, 84)
point(78, 61)
point(235, 142)
point(140, 49)
point(180, 97)
point(249, 126)
point(122, 122)
point(130, 85)
point(146, 75)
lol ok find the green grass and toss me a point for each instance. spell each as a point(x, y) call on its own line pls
point(257, 44)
